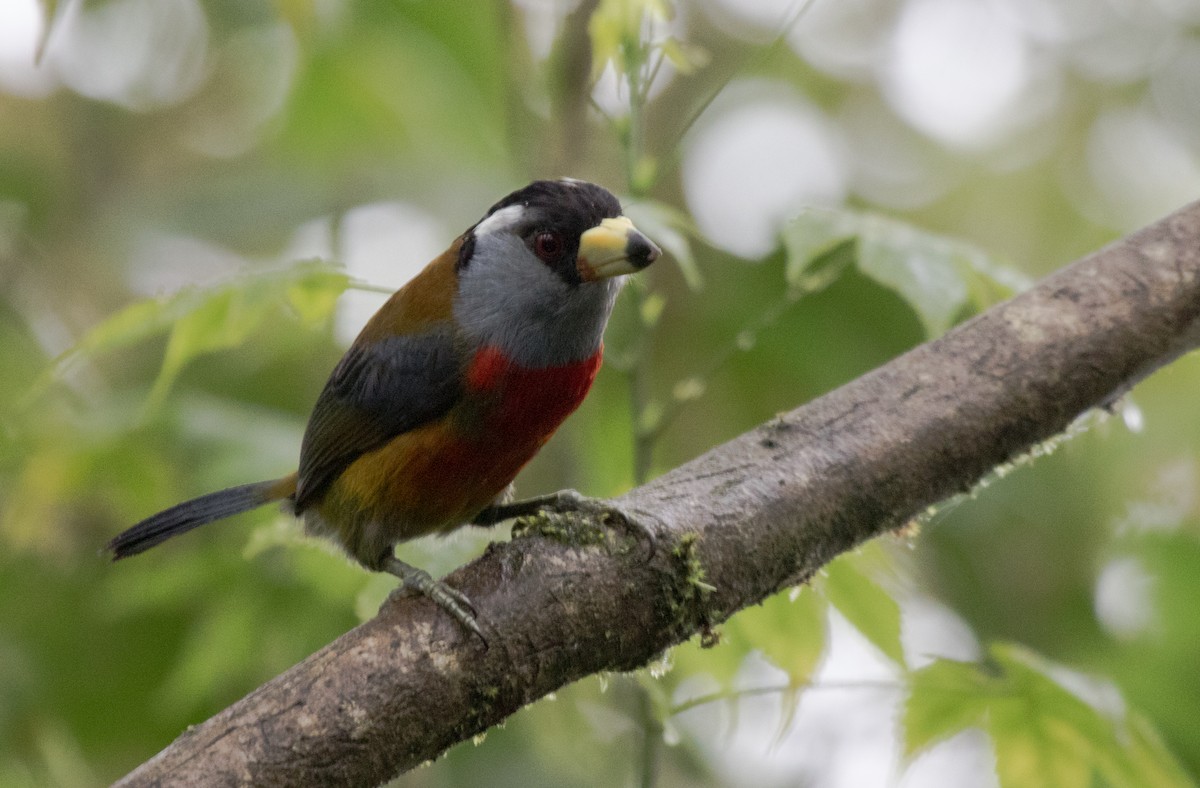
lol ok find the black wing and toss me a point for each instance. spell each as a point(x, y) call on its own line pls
point(375, 393)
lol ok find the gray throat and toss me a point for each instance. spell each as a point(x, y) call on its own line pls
point(508, 299)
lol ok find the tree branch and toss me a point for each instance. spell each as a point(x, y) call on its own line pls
point(743, 521)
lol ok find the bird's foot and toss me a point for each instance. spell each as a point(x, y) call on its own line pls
point(449, 599)
point(566, 502)
point(561, 502)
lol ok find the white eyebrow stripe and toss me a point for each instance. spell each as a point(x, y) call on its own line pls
point(500, 220)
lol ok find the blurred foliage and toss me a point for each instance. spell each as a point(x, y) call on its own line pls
point(1043, 734)
point(174, 182)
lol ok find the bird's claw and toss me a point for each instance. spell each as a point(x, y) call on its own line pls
point(567, 502)
point(449, 599)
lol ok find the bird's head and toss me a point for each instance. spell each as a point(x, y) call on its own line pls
point(538, 274)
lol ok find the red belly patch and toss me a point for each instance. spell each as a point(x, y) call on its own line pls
point(522, 404)
point(439, 476)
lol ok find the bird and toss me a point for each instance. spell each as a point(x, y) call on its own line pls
point(451, 387)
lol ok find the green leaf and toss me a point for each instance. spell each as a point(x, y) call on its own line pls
point(812, 235)
point(686, 58)
point(939, 277)
point(944, 698)
point(1050, 737)
point(789, 629)
point(615, 29)
point(869, 608)
point(604, 29)
point(823, 270)
point(221, 321)
point(205, 320)
point(791, 632)
point(133, 324)
point(1149, 759)
point(922, 268)
point(1043, 734)
point(313, 297)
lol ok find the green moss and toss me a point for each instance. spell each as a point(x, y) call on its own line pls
point(577, 529)
point(689, 597)
point(593, 525)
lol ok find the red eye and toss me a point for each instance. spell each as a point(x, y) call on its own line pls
point(548, 246)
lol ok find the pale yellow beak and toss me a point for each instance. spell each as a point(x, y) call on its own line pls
point(612, 248)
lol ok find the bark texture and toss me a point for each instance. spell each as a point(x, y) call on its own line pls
point(583, 593)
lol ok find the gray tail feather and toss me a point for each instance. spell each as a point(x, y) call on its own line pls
point(185, 516)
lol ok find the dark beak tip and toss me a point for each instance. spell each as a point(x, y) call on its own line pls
point(642, 251)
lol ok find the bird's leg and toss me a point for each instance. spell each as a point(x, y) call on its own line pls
point(563, 502)
point(452, 601)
